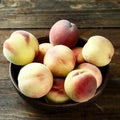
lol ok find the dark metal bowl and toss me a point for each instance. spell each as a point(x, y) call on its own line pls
point(41, 103)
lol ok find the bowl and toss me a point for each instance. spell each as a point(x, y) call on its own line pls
point(41, 103)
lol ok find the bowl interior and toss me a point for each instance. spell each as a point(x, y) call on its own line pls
point(14, 70)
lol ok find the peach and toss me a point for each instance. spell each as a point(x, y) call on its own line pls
point(78, 54)
point(98, 50)
point(60, 60)
point(57, 93)
point(21, 47)
point(64, 32)
point(35, 80)
point(43, 47)
point(80, 85)
point(94, 70)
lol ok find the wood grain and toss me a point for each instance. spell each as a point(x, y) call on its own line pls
point(39, 14)
point(106, 107)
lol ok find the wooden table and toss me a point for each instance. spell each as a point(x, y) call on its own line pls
point(93, 17)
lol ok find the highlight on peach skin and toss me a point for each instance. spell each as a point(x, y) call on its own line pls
point(64, 32)
point(35, 80)
point(60, 60)
point(80, 85)
point(20, 48)
point(57, 94)
point(94, 70)
point(98, 50)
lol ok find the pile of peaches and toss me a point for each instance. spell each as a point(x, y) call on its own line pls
point(58, 71)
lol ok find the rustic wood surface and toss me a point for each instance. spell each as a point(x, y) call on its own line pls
point(39, 14)
point(93, 17)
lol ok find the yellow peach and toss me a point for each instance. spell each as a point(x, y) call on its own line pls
point(57, 94)
point(98, 50)
point(20, 48)
point(60, 60)
point(35, 80)
point(63, 32)
point(94, 70)
point(80, 85)
point(43, 47)
point(78, 54)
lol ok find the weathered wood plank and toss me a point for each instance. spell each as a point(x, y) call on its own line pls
point(58, 5)
point(39, 14)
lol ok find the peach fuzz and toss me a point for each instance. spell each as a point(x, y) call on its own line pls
point(60, 60)
point(35, 80)
point(80, 85)
point(43, 47)
point(64, 32)
point(78, 54)
point(98, 50)
point(94, 70)
point(20, 48)
point(57, 94)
